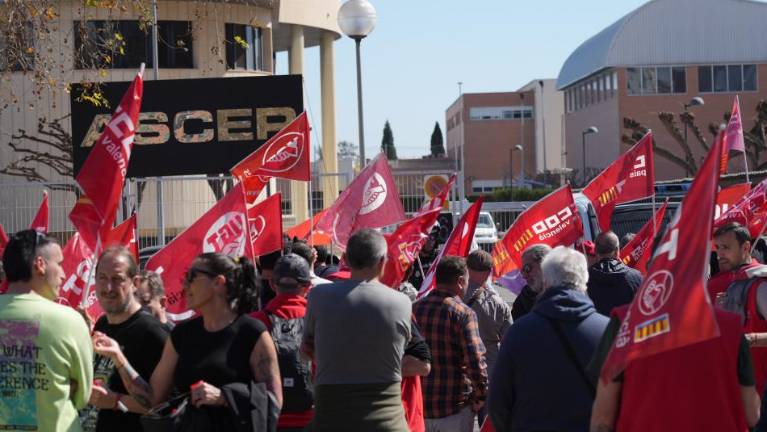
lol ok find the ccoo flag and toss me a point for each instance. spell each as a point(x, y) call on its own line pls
point(636, 253)
point(672, 309)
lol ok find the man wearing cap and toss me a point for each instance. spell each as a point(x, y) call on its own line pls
point(284, 317)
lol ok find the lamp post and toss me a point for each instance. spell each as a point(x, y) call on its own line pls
point(696, 101)
point(521, 149)
point(590, 130)
point(357, 18)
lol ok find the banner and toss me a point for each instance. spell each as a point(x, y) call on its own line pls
point(265, 225)
point(41, 220)
point(728, 197)
point(553, 220)
point(636, 253)
point(404, 245)
point(672, 308)
point(221, 229)
point(200, 135)
point(631, 177)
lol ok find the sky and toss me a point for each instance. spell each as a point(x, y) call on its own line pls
point(420, 49)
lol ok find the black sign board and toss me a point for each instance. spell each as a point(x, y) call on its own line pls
point(193, 126)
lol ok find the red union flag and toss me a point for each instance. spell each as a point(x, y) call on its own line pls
point(728, 197)
point(40, 222)
point(672, 308)
point(750, 211)
point(87, 221)
point(553, 220)
point(102, 175)
point(303, 230)
point(733, 134)
point(629, 178)
point(370, 201)
point(439, 199)
point(458, 244)
point(124, 235)
point(265, 225)
point(221, 229)
point(636, 253)
point(79, 277)
point(404, 244)
point(3, 241)
point(285, 155)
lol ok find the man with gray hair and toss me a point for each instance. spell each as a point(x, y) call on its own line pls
point(611, 283)
point(356, 332)
point(531, 271)
point(547, 351)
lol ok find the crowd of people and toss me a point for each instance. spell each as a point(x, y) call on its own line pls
point(300, 340)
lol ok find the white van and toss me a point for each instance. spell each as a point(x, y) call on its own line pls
point(486, 233)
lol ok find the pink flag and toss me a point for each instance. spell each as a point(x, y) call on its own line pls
point(733, 134)
point(370, 201)
point(40, 222)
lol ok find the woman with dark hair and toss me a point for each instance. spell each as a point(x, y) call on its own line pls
point(222, 346)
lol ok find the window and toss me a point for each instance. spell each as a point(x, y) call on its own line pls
point(124, 45)
point(649, 82)
point(652, 80)
point(679, 78)
point(664, 80)
point(634, 81)
point(726, 78)
point(615, 83)
point(243, 47)
point(500, 113)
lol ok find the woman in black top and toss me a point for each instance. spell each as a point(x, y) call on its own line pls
point(223, 345)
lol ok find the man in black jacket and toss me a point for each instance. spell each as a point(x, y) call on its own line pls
point(611, 283)
point(531, 271)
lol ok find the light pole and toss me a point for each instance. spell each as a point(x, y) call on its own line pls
point(696, 101)
point(357, 18)
point(521, 149)
point(590, 130)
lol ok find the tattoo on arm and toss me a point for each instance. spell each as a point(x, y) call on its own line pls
point(136, 386)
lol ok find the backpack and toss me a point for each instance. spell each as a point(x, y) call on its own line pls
point(296, 372)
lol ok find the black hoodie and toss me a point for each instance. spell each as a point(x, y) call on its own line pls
point(612, 284)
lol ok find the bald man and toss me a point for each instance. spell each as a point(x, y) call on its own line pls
point(611, 283)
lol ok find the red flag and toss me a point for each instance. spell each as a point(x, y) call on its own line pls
point(3, 241)
point(458, 244)
point(124, 235)
point(404, 244)
point(102, 175)
point(87, 221)
point(728, 197)
point(553, 220)
point(672, 308)
point(285, 155)
point(40, 222)
point(222, 229)
point(265, 226)
point(629, 178)
point(439, 199)
point(636, 253)
point(79, 277)
point(733, 134)
point(370, 201)
point(750, 211)
point(487, 425)
point(302, 231)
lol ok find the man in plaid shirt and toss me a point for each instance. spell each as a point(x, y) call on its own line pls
point(457, 385)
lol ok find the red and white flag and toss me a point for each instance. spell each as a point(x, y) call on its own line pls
point(672, 308)
point(405, 244)
point(750, 211)
point(733, 134)
point(458, 244)
point(265, 225)
point(125, 235)
point(631, 177)
point(40, 222)
point(553, 220)
point(79, 277)
point(102, 175)
point(728, 197)
point(636, 253)
point(303, 231)
point(221, 229)
point(285, 155)
point(370, 201)
point(439, 199)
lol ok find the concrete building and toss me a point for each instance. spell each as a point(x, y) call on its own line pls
point(656, 59)
point(207, 29)
point(486, 129)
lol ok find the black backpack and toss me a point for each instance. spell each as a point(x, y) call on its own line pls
point(296, 371)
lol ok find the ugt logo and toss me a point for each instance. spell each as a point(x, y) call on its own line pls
point(226, 235)
point(374, 194)
point(283, 154)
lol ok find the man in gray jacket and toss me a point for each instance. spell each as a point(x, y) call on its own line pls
point(493, 314)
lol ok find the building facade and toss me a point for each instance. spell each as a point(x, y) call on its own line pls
point(651, 64)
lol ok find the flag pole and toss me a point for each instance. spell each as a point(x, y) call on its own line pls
point(654, 210)
point(756, 239)
point(311, 214)
point(91, 271)
point(745, 164)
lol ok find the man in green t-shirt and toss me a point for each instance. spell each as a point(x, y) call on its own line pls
point(46, 356)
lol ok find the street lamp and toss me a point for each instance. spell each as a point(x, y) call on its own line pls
point(521, 149)
point(696, 101)
point(590, 130)
point(357, 18)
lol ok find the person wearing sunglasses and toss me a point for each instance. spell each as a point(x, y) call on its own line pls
point(531, 271)
point(209, 356)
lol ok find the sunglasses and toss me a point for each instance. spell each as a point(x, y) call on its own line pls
point(192, 273)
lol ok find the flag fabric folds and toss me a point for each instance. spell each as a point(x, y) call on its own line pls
point(404, 244)
point(636, 253)
point(41, 219)
point(265, 225)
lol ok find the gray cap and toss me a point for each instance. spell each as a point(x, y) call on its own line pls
point(292, 266)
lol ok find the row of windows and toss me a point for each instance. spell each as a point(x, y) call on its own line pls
point(726, 78)
point(500, 113)
point(593, 91)
point(656, 80)
point(124, 45)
